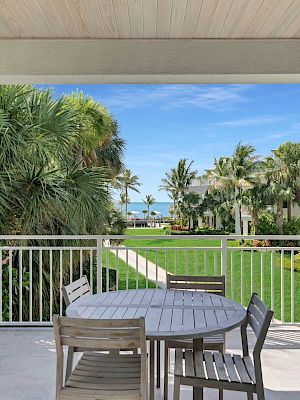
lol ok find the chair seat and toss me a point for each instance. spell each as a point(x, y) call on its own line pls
point(214, 369)
point(99, 376)
point(209, 343)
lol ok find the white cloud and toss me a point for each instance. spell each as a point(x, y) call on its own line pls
point(216, 98)
point(252, 121)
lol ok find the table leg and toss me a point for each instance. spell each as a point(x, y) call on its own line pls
point(158, 364)
point(152, 362)
point(198, 392)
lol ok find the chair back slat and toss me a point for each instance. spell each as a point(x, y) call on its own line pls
point(100, 334)
point(259, 318)
point(210, 284)
point(76, 290)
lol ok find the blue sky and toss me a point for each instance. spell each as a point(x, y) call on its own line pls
point(163, 123)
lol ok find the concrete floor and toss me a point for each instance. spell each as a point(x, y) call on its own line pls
point(27, 365)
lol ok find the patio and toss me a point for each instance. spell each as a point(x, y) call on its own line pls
point(27, 364)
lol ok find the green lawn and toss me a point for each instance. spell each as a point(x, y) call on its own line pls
point(209, 262)
point(127, 278)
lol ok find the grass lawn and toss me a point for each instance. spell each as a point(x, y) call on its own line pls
point(127, 278)
point(238, 282)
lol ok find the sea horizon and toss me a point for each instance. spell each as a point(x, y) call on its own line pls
point(160, 206)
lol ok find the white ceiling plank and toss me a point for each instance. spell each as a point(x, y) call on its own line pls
point(66, 16)
point(6, 31)
point(247, 16)
point(40, 21)
point(177, 18)
point(23, 17)
point(9, 25)
point(108, 17)
point(53, 19)
point(122, 18)
point(191, 18)
point(205, 18)
point(274, 18)
point(260, 18)
point(221, 13)
point(236, 11)
point(80, 17)
point(136, 18)
point(94, 18)
point(164, 11)
point(289, 23)
point(150, 18)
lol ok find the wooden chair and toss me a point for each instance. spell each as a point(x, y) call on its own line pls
point(210, 284)
point(102, 375)
point(71, 293)
point(228, 371)
point(76, 290)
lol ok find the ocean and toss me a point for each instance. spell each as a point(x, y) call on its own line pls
point(161, 206)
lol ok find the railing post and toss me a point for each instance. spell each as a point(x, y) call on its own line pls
point(99, 264)
point(224, 257)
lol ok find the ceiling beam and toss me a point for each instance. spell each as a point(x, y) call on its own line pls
point(150, 61)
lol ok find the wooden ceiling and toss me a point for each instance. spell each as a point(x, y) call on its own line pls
point(112, 19)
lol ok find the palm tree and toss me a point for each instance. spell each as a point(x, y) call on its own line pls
point(256, 200)
point(100, 143)
point(239, 172)
point(189, 206)
point(279, 188)
point(149, 201)
point(127, 181)
point(145, 212)
point(287, 160)
point(122, 201)
point(177, 181)
point(44, 188)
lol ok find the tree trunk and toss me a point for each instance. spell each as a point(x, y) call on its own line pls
point(148, 214)
point(289, 209)
point(237, 214)
point(254, 221)
point(79, 157)
point(279, 216)
point(126, 202)
point(237, 220)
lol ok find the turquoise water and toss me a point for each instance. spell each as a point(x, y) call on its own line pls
point(162, 207)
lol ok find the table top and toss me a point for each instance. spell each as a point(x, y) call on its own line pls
point(179, 314)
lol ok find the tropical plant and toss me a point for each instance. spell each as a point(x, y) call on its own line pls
point(127, 181)
point(99, 143)
point(238, 173)
point(145, 212)
point(189, 207)
point(149, 201)
point(122, 200)
point(46, 186)
point(287, 165)
point(177, 181)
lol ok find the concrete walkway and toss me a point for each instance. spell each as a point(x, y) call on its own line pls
point(140, 262)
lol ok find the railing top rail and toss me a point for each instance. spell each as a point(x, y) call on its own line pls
point(147, 237)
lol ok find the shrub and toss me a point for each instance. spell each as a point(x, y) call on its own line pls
point(287, 263)
point(292, 227)
point(207, 230)
point(267, 224)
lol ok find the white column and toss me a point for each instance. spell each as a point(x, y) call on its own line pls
point(245, 227)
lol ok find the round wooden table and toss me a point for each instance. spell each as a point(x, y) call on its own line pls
point(169, 314)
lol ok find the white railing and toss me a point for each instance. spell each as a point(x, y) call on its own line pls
point(34, 268)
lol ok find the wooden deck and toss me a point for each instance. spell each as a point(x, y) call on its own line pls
point(27, 365)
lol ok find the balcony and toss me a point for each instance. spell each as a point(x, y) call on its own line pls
point(34, 269)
